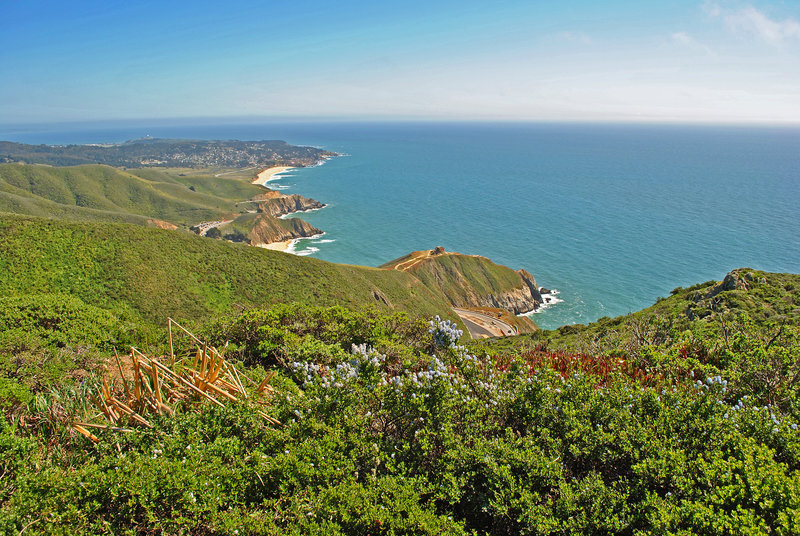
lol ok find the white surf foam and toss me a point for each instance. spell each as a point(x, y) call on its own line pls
point(284, 216)
point(549, 300)
point(307, 250)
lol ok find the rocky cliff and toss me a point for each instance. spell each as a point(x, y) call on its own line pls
point(472, 281)
point(287, 204)
point(267, 229)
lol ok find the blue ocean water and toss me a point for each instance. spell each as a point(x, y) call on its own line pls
point(612, 216)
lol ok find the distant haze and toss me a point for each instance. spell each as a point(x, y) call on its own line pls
point(677, 61)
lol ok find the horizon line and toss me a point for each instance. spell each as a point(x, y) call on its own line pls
point(251, 119)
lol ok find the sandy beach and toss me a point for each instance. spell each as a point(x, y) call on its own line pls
point(265, 176)
point(284, 246)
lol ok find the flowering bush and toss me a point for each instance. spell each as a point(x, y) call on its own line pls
point(399, 436)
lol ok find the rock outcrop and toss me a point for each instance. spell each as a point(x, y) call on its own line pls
point(267, 229)
point(741, 279)
point(161, 224)
point(518, 300)
point(288, 204)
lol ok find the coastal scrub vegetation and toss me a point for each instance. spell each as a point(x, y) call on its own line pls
point(153, 274)
point(659, 422)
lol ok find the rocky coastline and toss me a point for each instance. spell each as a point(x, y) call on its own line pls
point(523, 299)
point(268, 230)
point(283, 205)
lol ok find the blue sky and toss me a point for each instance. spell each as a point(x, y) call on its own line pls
point(678, 60)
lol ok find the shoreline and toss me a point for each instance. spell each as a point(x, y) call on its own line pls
point(294, 242)
point(269, 174)
point(550, 299)
point(283, 246)
point(272, 173)
point(289, 214)
point(287, 246)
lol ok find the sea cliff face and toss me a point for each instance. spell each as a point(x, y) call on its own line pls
point(288, 204)
point(523, 299)
point(267, 229)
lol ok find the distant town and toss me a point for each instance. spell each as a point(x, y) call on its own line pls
point(146, 152)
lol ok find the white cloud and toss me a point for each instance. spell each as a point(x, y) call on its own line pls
point(578, 37)
point(683, 39)
point(753, 21)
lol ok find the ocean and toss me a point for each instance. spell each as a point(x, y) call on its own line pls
point(609, 216)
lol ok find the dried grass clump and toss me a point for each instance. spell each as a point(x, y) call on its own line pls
point(152, 386)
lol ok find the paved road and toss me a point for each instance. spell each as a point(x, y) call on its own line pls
point(476, 331)
point(482, 325)
point(205, 226)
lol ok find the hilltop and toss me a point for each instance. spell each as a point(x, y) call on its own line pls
point(761, 304)
point(483, 293)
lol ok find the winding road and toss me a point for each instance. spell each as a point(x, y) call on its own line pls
point(481, 325)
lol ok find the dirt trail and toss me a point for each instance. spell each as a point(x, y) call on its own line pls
point(417, 257)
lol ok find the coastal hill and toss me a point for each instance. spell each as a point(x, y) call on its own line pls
point(679, 419)
point(214, 201)
point(485, 295)
point(167, 198)
point(744, 301)
point(473, 282)
point(155, 273)
point(358, 396)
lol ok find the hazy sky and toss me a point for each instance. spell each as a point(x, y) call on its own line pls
point(674, 60)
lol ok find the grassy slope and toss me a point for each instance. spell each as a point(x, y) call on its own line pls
point(97, 192)
point(166, 273)
point(766, 299)
point(459, 275)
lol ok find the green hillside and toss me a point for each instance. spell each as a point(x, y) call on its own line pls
point(388, 429)
point(98, 192)
point(159, 273)
point(682, 418)
point(459, 276)
point(472, 281)
point(744, 299)
point(474, 272)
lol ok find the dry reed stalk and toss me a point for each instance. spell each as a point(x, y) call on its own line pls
point(80, 429)
point(121, 373)
point(103, 427)
point(157, 386)
point(264, 385)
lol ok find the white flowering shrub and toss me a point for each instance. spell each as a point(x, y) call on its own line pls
point(445, 333)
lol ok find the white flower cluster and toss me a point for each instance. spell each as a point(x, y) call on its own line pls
point(308, 371)
point(445, 333)
point(370, 354)
point(363, 356)
point(712, 380)
point(436, 370)
point(454, 370)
